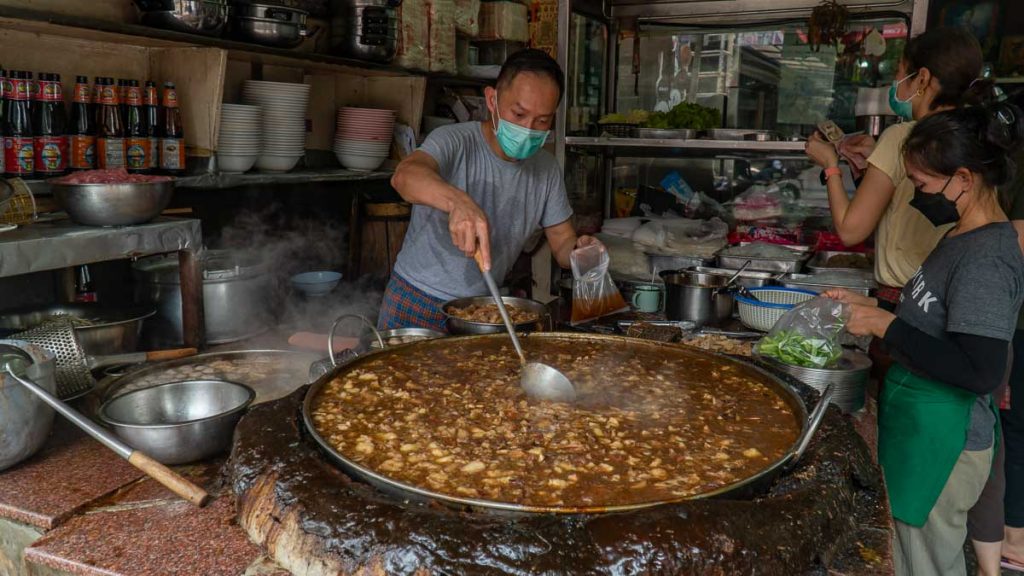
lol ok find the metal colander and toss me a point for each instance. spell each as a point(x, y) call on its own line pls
point(74, 378)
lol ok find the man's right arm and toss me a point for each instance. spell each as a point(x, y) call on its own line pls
point(418, 180)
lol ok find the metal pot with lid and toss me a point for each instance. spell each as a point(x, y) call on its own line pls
point(25, 420)
point(206, 17)
point(268, 24)
point(697, 297)
point(236, 288)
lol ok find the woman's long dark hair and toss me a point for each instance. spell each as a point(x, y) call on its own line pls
point(981, 139)
point(953, 56)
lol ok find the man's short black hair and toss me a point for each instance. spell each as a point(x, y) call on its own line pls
point(535, 61)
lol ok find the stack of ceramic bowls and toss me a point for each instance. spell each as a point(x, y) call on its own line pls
point(284, 122)
point(240, 141)
point(363, 137)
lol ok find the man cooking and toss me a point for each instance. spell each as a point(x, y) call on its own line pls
point(483, 186)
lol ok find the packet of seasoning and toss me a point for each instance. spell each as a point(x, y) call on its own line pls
point(594, 293)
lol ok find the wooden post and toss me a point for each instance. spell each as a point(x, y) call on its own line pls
point(192, 317)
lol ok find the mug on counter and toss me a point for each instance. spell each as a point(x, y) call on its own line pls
point(648, 297)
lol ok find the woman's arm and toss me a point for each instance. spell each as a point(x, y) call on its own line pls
point(973, 363)
point(855, 219)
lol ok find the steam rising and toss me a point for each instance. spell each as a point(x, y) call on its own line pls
point(290, 244)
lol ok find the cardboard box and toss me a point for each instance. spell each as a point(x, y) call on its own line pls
point(504, 21)
point(467, 17)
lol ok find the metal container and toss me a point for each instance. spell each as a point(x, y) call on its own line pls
point(666, 133)
point(113, 204)
point(268, 24)
point(205, 17)
point(808, 421)
point(25, 420)
point(366, 29)
point(236, 290)
point(820, 282)
point(109, 330)
point(777, 265)
point(761, 136)
point(662, 262)
point(696, 297)
point(403, 335)
point(817, 263)
point(849, 378)
point(179, 422)
point(458, 326)
point(747, 279)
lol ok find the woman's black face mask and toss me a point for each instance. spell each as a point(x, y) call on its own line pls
point(938, 209)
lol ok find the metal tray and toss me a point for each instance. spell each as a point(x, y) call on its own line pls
point(761, 264)
point(817, 263)
point(821, 282)
point(734, 133)
point(666, 133)
point(748, 279)
point(661, 262)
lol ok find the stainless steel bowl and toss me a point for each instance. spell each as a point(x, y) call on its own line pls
point(206, 17)
point(179, 422)
point(110, 330)
point(25, 420)
point(114, 204)
point(400, 336)
point(458, 326)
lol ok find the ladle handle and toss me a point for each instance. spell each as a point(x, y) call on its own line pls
point(169, 478)
point(334, 327)
point(496, 294)
point(152, 468)
point(813, 423)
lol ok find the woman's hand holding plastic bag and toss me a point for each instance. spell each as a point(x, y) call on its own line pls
point(809, 334)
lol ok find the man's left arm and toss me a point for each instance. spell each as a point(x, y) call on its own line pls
point(563, 240)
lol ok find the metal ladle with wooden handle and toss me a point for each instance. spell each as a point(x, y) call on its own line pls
point(538, 380)
point(155, 470)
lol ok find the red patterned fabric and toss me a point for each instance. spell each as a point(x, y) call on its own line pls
point(888, 293)
point(406, 306)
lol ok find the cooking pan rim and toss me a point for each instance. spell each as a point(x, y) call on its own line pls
point(379, 481)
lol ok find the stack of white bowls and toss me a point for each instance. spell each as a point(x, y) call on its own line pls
point(284, 122)
point(363, 137)
point(240, 141)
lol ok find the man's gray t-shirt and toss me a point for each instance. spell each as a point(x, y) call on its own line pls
point(518, 197)
point(972, 283)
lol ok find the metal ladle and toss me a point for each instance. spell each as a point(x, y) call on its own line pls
point(538, 380)
point(155, 470)
point(743, 290)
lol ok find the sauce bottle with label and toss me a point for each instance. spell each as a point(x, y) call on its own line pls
point(50, 120)
point(19, 149)
point(95, 99)
point(82, 132)
point(151, 114)
point(172, 134)
point(136, 136)
point(110, 130)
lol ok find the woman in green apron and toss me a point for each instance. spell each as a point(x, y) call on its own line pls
point(950, 335)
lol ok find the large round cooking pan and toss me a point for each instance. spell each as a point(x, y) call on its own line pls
point(809, 422)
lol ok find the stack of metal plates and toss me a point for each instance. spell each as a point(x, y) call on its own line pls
point(849, 377)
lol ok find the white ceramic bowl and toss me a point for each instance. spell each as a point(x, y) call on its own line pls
point(316, 283)
point(372, 147)
point(357, 162)
point(272, 163)
point(236, 164)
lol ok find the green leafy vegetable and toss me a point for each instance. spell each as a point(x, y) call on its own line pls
point(792, 348)
point(686, 115)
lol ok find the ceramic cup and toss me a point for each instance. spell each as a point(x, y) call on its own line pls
point(647, 297)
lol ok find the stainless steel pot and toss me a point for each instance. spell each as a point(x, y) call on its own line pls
point(206, 17)
point(236, 290)
point(114, 204)
point(809, 421)
point(365, 30)
point(25, 420)
point(697, 297)
point(458, 326)
point(179, 422)
point(267, 24)
point(109, 331)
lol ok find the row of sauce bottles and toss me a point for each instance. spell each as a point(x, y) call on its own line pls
point(121, 125)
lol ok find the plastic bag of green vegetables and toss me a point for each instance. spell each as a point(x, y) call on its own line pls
point(686, 115)
point(808, 335)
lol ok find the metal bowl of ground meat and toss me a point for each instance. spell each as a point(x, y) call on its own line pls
point(479, 315)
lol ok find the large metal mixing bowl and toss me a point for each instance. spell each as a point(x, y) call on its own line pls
point(109, 330)
point(459, 327)
point(114, 204)
point(25, 420)
point(206, 17)
point(179, 422)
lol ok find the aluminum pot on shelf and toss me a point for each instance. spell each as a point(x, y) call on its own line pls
point(205, 17)
point(268, 24)
point(236, 290)
point(25, 420)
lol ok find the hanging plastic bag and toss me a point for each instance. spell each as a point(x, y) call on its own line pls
point(593, 292)
point(809, 335)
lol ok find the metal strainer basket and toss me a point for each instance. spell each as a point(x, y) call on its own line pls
point(74, 378)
